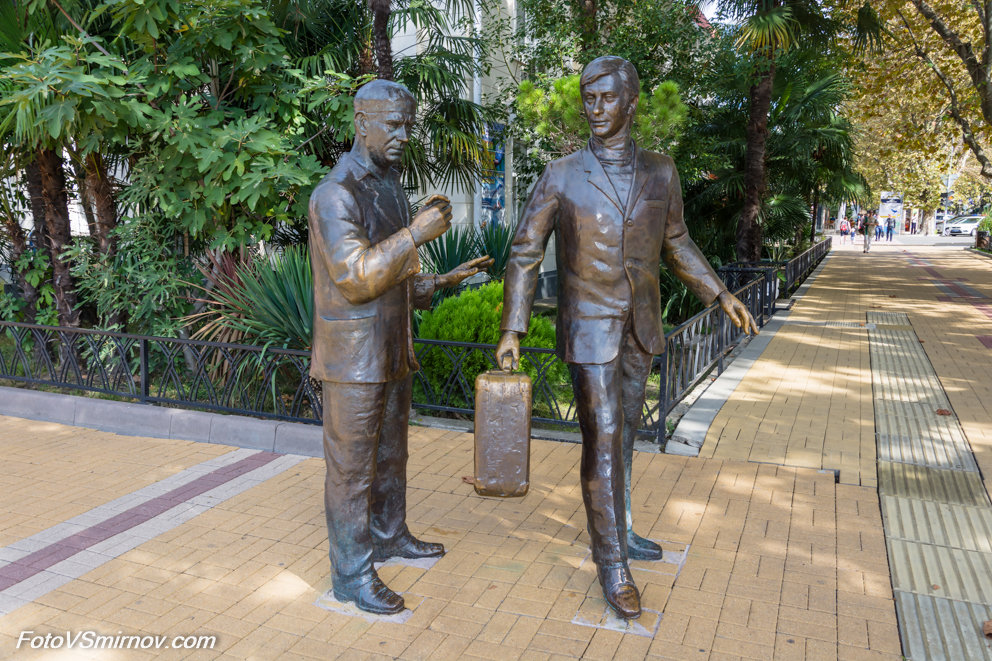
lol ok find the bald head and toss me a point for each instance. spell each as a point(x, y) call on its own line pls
point(384, 96)
point(384, 116)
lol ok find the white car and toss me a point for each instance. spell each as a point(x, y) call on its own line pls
point(962, 225)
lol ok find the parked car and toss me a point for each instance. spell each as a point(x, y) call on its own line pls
point(962, 226)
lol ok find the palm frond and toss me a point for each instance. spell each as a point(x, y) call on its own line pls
point(767, 31)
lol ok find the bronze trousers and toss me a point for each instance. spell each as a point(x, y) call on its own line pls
point(365, 449)
point(609, 399)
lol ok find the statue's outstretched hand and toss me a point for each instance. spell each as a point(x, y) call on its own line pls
point(455, 276)
point(738, 313)
point(508, 351)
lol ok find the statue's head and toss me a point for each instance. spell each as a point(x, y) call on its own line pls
point(384, 115)
point(610, 89)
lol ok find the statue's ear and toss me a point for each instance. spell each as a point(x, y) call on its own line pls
point(361, 123)
point(632, 108)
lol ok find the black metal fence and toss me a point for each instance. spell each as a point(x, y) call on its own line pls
point(781, 278)
point(231, 378)
point(275, 384)
point(800, 266)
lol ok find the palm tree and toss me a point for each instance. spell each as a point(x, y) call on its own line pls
point(35, 151)
point(809, 152)
point(328, 36)
point(770, 29)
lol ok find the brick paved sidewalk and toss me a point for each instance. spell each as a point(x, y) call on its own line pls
point(807, 402)
point(761, 558)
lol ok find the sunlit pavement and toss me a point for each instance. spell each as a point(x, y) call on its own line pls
point(775, 540)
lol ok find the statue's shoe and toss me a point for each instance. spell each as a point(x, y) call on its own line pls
point(639, 548)
point(407, 546)
point(371, 596)
point(620, 591)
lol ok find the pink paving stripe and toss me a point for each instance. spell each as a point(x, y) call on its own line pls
point(54, 553)
point(984, 308)
point(985, 339)
point(964, 295)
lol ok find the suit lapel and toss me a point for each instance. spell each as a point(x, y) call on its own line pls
point(640, 178)
point(597, 177)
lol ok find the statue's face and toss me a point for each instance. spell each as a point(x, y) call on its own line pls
point(606, 106)
point(386, 134)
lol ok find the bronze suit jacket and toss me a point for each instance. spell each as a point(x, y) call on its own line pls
point(364, 263)
point(608, 252)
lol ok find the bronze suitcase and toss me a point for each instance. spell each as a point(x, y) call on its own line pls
point(502, 433)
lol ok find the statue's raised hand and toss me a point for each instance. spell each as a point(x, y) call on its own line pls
point(433, 220)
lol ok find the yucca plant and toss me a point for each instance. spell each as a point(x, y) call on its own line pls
point(495, 240)
point(445, 253)
point(268, 301)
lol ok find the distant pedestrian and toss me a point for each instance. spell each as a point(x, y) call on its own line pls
point(878, 232)
point(845, 229)
point(890, 227)
point(912, 227)
point(870, 227)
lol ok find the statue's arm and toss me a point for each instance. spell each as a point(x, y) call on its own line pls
point(527, 252)
point(682, 255)
point(422, 291)
point(361, 270)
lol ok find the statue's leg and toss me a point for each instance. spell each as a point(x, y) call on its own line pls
point(390, 535)
point(636, 368)
point(352, 421)
point(597, 396)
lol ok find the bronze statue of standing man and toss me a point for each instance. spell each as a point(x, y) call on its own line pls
point(616, 211)
point(363, 252)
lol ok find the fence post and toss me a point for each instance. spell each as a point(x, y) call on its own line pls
point(663, 398)
point(144, 369)
point(768, 301)
point(722, 341)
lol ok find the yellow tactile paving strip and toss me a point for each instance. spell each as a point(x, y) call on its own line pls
point(53, 472)
point(781, 563)
point(807, 401)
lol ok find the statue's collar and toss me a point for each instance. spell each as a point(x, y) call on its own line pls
point(591, 160)
point(364, 169)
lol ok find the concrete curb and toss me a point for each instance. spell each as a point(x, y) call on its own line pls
point(980, 253)
point(688, 437)
point(159, 422)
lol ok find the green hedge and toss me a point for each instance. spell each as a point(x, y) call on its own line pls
point(474, 316)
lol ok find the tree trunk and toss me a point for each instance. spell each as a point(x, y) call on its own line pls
point(589, 31)
point(18, 246)
point(85, 200)
point(101, 194)
point(104, 204)
point(56, 202)
point(748, 229)
point(816, 214)
point(32, 178)
point(380, 31)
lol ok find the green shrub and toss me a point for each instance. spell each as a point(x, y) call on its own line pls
point(474, 316)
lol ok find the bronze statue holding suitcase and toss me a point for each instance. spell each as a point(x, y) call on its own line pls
point(616, 211)
point(363, 251)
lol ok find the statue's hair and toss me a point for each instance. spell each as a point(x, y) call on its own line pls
point(612, 65)
point(374, 95)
